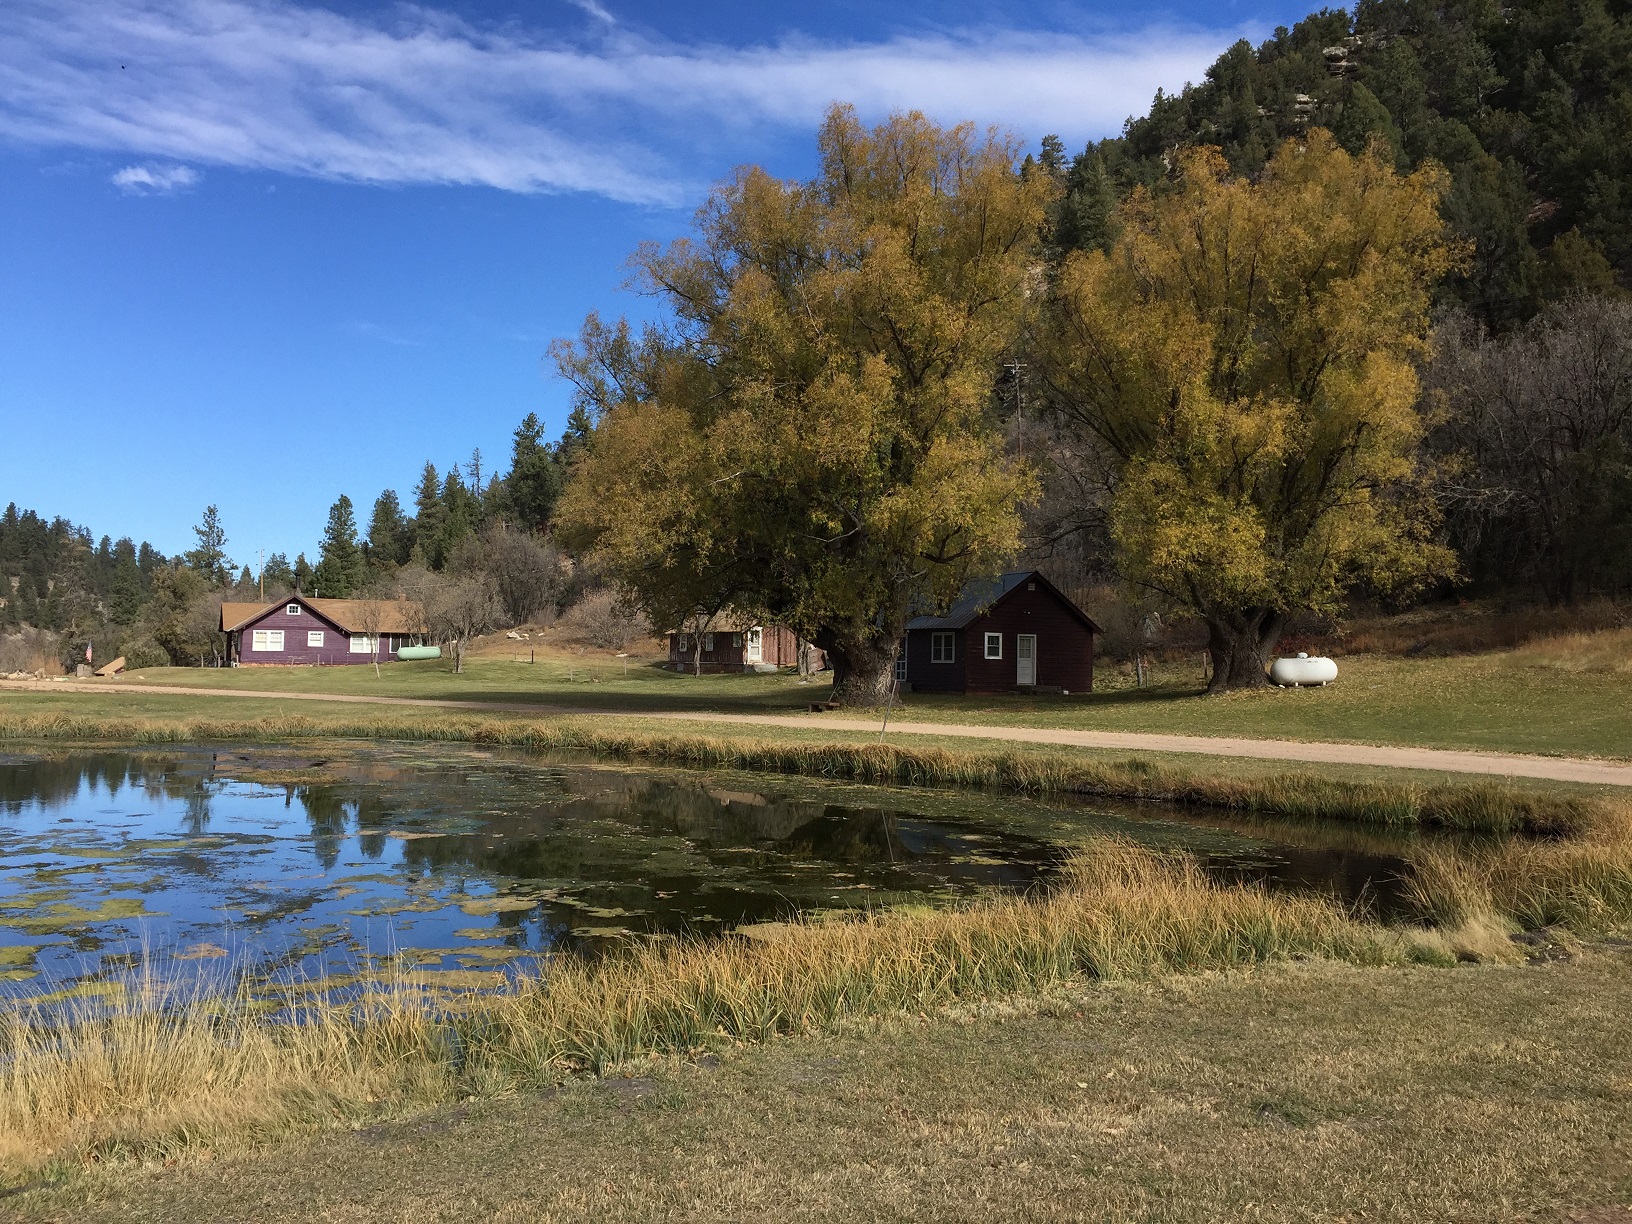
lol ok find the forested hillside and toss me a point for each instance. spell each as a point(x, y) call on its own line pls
point(1528, 105)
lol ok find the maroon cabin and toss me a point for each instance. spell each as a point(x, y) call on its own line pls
point(1015, 632)
point(319, 631)
point(739, 646)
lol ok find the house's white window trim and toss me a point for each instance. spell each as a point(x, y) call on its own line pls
point(943, 647)
point(292, 609)
point(361, 643)
point(267, 641)
point(314, 637)
point(708, 641)
point(901, 663)
point(994, 645)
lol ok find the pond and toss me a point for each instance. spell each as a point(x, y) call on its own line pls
point(302, 864)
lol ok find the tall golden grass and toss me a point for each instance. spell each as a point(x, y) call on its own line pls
point(157, 1074)
point(1582, 883)
point(1482, 806)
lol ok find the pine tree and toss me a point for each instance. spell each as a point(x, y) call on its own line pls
point(303, 574)
point(209, 559)
point(340, 568)
point(534, 483)
point(430, 515)
point(388, 540)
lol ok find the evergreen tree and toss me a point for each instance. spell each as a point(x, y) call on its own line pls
point(461, 514)
point(388, 538)
point(340, 567)
point(536, 476)
point(126, 587)
point(277, 574)
point(302, 574)
point(209, 559)
point(430, 516)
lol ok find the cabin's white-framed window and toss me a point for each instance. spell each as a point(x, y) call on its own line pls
point(682, 643)
point(314, 637)
point(266, 639)
point(901, 663)
point(994, 645)
point(708, 641)
point(361, 643)
point(942, 648)
point(736, 639)
point(292, 610)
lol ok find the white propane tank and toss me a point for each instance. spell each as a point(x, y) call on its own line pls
point(1290, 673)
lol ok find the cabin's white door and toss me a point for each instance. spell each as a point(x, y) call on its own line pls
point(753, 646)
point(1025, 659)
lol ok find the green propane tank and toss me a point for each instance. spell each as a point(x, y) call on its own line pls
point(419, 652)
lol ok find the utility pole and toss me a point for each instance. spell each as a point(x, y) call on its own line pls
point(260, 575)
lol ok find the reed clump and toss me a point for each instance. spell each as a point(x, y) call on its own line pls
point(1472, 806)
point(158, 1074)
point(1582, 883)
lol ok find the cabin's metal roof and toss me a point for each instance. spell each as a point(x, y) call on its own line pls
point(978, 597)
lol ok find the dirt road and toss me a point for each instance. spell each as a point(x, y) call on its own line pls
point(1557, 769)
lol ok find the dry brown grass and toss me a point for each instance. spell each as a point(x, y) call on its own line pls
point(1462, 629)
point(157, 1074)
point(1582, 883)
point(1606, 651)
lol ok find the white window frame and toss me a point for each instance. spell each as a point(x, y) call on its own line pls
point(943, 647)
point(292, 610)
point(708, 642)
point(266, 641)
point(361, 643)
point(994, 640)
point(314, 637)
point(901, 664)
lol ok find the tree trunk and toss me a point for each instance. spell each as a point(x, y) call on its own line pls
point(458, 656)
point(1239, 645)
point(862, 671)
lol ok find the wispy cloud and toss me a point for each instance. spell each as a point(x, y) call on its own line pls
point(276, 86)
point(595, 9)
point(155, 180)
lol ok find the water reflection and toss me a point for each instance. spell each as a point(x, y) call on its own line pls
point(464, 864)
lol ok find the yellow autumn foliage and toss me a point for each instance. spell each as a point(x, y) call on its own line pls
point(811, 431)
point(1244, 355)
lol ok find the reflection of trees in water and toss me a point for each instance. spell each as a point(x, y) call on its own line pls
point(53, 781)
point(327, 809)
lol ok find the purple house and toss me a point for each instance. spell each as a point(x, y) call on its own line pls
point(319, 631)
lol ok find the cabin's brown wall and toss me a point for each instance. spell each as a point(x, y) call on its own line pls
point(1065, 649)
point(779, 646)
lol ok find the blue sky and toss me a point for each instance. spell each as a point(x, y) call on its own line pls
point(259, 253)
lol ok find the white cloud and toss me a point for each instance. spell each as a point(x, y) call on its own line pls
point(155, 180)
point(267, 85)
point(595, 9)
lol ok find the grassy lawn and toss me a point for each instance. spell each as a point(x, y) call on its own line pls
point(1497, 702)
point(1289, 1093)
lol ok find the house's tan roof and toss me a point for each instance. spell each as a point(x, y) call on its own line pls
point(727, 622)
point(237, 615)
point(351, 615)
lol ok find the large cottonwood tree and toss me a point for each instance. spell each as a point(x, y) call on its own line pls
point(1242, 362)
point(810, 434)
